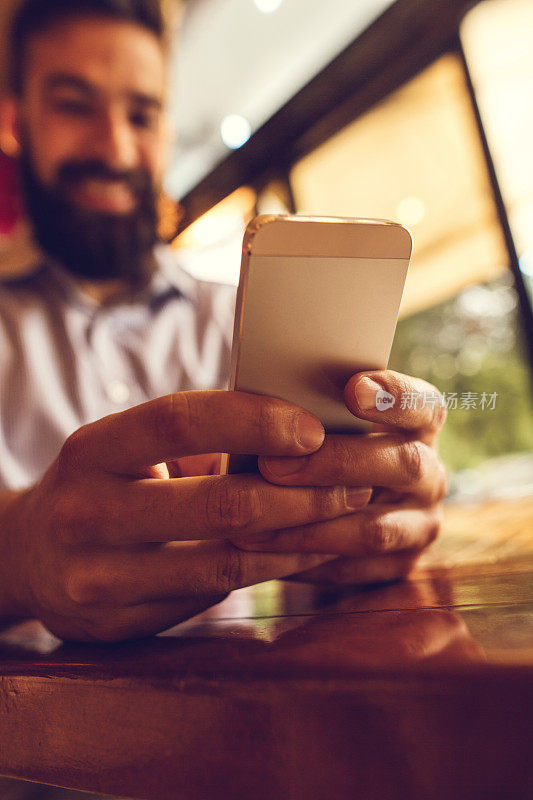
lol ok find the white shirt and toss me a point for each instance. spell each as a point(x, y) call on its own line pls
point(65, 360)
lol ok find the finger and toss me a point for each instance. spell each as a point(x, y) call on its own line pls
point(346, 571)
point(388, 397)
point(189, 466)
point(380, 529)
point(177, 570)
point(383, 639)
point(137, 621)
point(390, 460)
point(209, 507)
point(188, 423)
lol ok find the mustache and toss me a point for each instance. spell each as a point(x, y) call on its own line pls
point(91, 245)
point(71, 173)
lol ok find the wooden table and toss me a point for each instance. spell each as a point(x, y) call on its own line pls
point(422, 689)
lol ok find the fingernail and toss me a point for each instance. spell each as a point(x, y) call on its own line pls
point(357, 496)
point(281, 467)
point(365, 393)
point(309, 431)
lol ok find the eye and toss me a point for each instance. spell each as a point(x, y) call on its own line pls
point(143, 119)
point(77, 108)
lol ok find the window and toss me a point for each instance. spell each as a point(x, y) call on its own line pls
point(417, 157)
point(496, 38)
point(210, 248)
point(416, 154)
point(232, 62)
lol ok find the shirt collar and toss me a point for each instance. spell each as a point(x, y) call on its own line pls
point(167, 279)
point(169, 274)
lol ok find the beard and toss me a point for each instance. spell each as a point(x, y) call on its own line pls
point(89, 244)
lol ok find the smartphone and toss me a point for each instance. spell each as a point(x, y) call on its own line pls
point(318, 300)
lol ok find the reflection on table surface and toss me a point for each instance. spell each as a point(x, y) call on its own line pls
point(469, 605)
point(419, 689)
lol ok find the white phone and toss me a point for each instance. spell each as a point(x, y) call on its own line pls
point(318, 300)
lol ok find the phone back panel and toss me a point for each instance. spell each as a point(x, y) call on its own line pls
point(306, 323)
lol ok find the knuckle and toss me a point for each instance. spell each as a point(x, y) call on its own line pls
point(85, 587)
point(268, 419)
point(297, 540)
point(329, 502)
point(69, 523)
point(413, 456)
point(188, 415)
point(229, 571)
point(73, 452)
point(397, 385)
point(80, 520)
point(305, 540)
point(175, 416)
point(229, 507)
point(382, 534)
point(342, 461)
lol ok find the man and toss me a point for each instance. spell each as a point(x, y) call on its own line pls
point(118, 527)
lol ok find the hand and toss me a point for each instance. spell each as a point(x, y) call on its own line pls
point(383, 540)
point(107, 546)
point(348, 641)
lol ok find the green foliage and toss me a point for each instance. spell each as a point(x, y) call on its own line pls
point(462, 347)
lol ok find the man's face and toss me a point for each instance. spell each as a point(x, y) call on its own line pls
point(91, 130)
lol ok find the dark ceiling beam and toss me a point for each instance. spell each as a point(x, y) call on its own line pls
point(407, 37)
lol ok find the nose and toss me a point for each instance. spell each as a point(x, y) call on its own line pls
point(114, 141)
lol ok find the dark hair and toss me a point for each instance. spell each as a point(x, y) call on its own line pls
point(34, 16)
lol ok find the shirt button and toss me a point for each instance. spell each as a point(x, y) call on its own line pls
point(118, 392)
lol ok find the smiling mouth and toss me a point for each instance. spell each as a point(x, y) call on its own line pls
point(106, 195)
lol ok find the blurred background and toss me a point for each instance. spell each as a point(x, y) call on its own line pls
point(419, 112)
